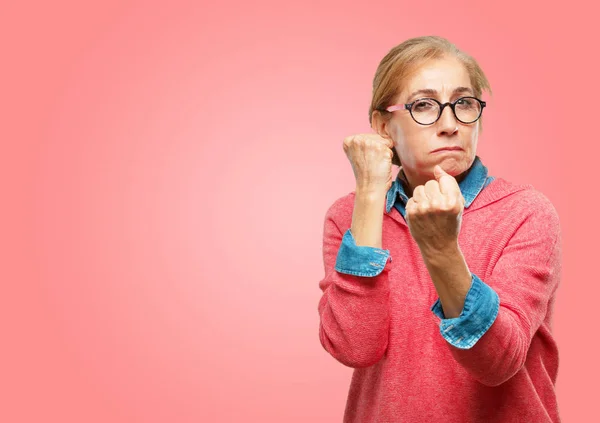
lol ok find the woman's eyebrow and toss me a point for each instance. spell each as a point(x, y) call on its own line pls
point(432, 92)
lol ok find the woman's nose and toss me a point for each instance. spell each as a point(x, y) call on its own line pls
point(447, 123)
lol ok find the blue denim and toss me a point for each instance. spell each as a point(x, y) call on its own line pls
point(360, 260)
point(481, 303)
point(479, 312)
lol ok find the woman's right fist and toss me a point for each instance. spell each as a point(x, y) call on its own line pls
point(371, 158)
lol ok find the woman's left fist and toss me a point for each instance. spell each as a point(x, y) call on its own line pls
point(434, 212)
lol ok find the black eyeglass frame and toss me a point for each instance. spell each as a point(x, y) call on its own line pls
point(408, 106)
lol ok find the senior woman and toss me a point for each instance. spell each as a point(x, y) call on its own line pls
point(439, 284)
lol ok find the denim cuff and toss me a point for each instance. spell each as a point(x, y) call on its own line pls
point(479, 312)
point(360, 260)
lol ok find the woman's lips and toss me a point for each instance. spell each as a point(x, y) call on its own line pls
point(439, 150)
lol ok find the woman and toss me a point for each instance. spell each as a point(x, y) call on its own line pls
point(439, 285)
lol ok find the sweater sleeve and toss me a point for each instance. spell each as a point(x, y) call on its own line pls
point(354, 307)
point(525, 278)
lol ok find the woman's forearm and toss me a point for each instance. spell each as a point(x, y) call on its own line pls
point(367, 217)
point(451, 277)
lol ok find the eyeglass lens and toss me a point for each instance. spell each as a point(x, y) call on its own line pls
point(426, 111)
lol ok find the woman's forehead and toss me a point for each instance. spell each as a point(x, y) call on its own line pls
point(444, 76)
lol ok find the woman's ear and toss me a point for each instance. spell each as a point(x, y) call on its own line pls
point(379, 124)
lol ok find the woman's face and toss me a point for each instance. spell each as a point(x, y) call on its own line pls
point(445, 80)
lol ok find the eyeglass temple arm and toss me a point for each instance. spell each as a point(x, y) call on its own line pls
point(396, 107)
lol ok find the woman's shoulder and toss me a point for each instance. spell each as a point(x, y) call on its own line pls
point(524, 198)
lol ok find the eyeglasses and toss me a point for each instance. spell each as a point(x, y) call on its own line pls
point(426, 111)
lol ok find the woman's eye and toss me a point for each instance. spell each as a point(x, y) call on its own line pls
point(423, 105)
point(465, 102)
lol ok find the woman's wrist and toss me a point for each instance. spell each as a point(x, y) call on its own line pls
point(371, 192)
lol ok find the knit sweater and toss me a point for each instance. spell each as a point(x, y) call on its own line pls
point(481, 303)
point(382, 326)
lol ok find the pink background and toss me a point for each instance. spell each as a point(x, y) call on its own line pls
point(166, 168)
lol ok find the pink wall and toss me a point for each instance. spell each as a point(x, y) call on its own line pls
point(166, 171)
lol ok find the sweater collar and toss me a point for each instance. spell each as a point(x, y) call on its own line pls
point(470, 186)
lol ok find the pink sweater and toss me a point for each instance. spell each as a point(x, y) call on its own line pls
point(383, 327)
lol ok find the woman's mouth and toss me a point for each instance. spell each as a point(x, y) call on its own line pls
point(443, 149)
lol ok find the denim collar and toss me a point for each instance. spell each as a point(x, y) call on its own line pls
point(470, 186)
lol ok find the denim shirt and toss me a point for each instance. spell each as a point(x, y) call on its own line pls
point(481, 302)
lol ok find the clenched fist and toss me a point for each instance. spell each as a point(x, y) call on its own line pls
point(434, 212)
point(371, 159)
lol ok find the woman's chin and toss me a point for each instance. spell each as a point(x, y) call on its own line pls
point(452, 166)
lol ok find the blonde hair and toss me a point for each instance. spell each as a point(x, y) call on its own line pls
point(405, 59)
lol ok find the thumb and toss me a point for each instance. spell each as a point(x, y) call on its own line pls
point(438, 172)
